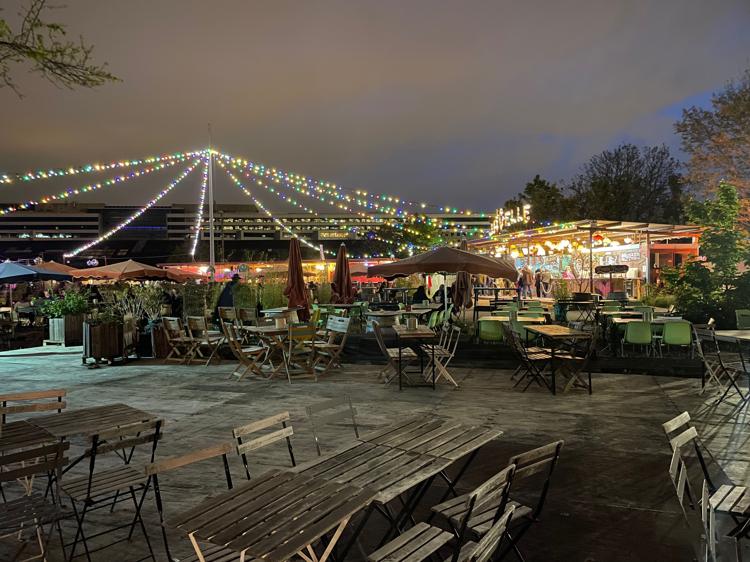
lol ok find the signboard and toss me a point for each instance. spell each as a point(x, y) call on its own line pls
point(333, 234)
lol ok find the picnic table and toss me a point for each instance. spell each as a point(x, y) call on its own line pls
point(420, 333)
point(556, 334)
point(274, 517)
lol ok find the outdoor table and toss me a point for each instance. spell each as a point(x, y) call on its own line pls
point(19, 435)
point(346, 307)
point(274, 517)
point(554, 334)
point(621, 313)
point(734, 501)
point(734, 336)
point(419, 333)
point(386, 318)
point(87, 422)
point(436, 437)
point(659, 320)
point(522, 319)
point(275, 338)
point(280, 312)
point(388, 471)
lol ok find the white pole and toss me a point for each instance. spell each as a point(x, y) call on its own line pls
point(211, 251)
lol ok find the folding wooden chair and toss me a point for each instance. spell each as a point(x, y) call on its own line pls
point(32, 512)
point(102, 488)
point(443, 354)
point(197, 329)
point(578, 361)
point(154, 469)
point(244, 444)
point(723, 375)
point(539, 463)
point(329, 352)
point(300, 352)
point(251, 357)
point(227, 313)
point(181, 346)
point(31, 402)
point(423, 541)
point(248, 316)
point(393, 364)
point(680, 433)
point(331, 411)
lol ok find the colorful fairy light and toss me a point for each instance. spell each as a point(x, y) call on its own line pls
point(93, 168)
point(199, 217)
point(137, 214)
point(71, 192)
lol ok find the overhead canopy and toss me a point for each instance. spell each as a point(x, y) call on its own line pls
point(130, 270)
point(56, 266)
point(446, 260)
point(11, 272)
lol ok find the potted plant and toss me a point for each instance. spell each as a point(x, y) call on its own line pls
point(66, 317)
point(561, 293)
point(150, 298)
point(103, 334)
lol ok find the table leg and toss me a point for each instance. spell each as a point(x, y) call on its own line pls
point(355, 534)
point(400, 365)
point(197, 548)
point(433, 365)
point(552, 364)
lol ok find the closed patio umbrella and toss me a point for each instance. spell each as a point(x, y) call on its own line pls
point(462, 288)
point(295, 289)
point(342, 278)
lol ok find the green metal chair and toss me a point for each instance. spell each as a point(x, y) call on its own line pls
point(490, 331)
point(521, 330)
point(610, 308)
point(742, 316)
point(529, 313)
point(637, 333)
point(678, 334)
point(432, 320)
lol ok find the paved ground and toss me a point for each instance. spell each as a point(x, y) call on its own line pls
point(611, 499)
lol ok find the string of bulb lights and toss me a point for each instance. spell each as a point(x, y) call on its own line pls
point(201, 203)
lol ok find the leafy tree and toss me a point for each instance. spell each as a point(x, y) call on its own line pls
point(718, 141)
point(630, 184)
point(714, 287)
point(45, 47)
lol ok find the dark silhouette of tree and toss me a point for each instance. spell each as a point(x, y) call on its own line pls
point(45, 47)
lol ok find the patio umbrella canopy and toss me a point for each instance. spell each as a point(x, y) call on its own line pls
point(342, 278)
point(128, 270)
point(11, 272)
point(55, 266)
point(295, 289)
point(446, 260)
point(462, 289)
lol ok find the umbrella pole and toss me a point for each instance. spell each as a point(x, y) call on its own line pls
point(445, 297)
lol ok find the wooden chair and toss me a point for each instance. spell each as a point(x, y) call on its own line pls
point(181, 346)
point(300, 352)
point(227, 313)
point(251, 357)
point(391, 354)
point(32, 512)
point(443, 353)
point(102, 488)
point(248, 316)
point(197, 329)
point(329, 352)
point(331, 411)
point(244, 444)
point(129, 336)
point(154, 469)
point(34, 401)
point(722, 374)
point(422, 541)
point(680, 433)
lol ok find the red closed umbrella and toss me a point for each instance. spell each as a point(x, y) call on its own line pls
point(342, 278)
point(295, 289)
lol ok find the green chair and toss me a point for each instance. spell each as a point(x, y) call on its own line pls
point(743, 318)
point(529, 313)
point(522, 332)
point(432, 320)
point(533, 303)
point(678, 334)
point(637, 334)
point(611, 308)
point(490, 331)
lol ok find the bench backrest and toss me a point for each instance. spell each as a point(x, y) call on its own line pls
point(33, 401)
point(331, 411)
point(249, 437)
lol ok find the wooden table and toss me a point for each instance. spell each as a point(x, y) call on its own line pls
point(275, 516)
point(87, 422)
point(662, 320)
point(554, 334)
point(275, 338)
point(734, 501)
point(734, 336)
point(522, 319)
point(388, 471)
point(418, 333)
point(22, 434)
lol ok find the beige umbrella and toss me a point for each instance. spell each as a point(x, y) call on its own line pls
point(129, 270)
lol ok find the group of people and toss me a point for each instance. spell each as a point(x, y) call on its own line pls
point(529, 280)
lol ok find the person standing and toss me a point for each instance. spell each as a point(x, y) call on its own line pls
point(546, 277)
point(527, 278)
point(538, 282)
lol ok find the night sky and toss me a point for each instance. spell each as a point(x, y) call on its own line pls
point(454, 102)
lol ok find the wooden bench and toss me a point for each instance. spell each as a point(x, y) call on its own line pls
point(35, 401)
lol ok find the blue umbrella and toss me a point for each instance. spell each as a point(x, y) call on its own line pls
point(11, 272)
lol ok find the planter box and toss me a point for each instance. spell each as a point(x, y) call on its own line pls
point(67, 330)
point(102, 341)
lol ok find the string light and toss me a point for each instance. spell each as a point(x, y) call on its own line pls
point(137, 214)
point(268, 213)
point(71, 192)
point(92, 168)
point(199, 218)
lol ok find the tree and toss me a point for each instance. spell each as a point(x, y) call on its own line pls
point(548, 203)
point(629, 184)
point(714, 287)
point(46, 48)
point(718, 141)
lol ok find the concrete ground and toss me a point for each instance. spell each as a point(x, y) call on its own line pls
point(611, 499)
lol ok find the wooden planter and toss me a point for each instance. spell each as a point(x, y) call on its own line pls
point(159, 345)
point(102, 341)
point(67, 330)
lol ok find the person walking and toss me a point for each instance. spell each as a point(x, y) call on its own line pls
point(527, 280)
point(538, 282)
